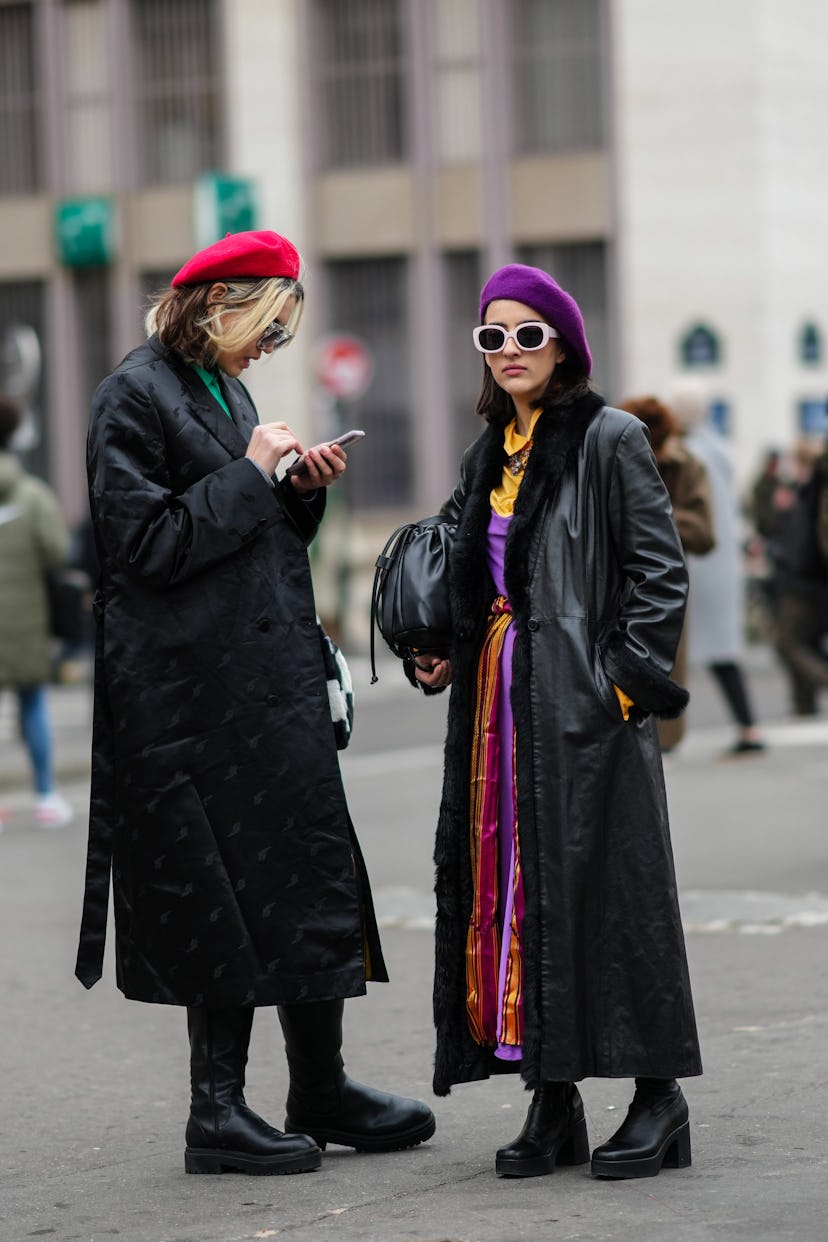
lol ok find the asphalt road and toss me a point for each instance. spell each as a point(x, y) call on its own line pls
point(95, 1088)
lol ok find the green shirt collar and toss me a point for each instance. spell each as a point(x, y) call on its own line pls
point(210, 380)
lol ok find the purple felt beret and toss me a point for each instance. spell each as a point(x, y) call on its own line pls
point(537, 289)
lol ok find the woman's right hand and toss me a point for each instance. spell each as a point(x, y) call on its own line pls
point(269, 443)
point(432, 669)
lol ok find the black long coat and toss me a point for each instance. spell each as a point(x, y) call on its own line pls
point(216, 789)
point(597, 582)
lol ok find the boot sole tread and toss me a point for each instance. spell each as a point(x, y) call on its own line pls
point(199, 1161)
point(362, 1142)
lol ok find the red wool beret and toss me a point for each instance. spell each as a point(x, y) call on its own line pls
point(255, 255)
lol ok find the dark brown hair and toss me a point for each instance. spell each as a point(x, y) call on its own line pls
point(657, 417)
point(10, 417)
point(566, 384)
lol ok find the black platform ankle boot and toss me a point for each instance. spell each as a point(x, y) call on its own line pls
point(223, 1134)
point(655, 1133)
point(554, 1133)
point(324, 1102)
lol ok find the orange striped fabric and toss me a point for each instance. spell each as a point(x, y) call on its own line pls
point(489, 1021)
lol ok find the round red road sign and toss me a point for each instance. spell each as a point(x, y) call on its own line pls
point(344, 366)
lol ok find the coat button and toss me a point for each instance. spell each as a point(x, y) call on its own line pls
point(533, 624)
point(263, 624)
point(273, 699)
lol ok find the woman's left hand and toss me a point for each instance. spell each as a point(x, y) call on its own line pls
point(325, 465)
point(432, 669)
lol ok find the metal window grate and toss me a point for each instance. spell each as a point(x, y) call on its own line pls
point(557, 67)
point(19, 101)
point(462, 282)
point(88, 104)
point(581, 269)
point(177, 88)
point(369, 300)
point(456, 69)
point(360, 81)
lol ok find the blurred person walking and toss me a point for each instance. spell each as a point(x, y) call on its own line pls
point(800, 558)
point(33, 542)
point(559, 947)
point(716, 608)
point(688, 487)
point(217, 801)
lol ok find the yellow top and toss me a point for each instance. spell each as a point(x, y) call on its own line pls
point(503, 497)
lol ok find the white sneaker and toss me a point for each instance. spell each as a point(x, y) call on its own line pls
point(53, 811)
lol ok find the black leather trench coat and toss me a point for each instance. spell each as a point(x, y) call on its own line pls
point(597, 581)
point(216, 790)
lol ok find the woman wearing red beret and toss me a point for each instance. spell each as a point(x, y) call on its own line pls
point(217, 802)
point(559, 946)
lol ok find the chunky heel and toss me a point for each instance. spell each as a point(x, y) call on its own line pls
point(575, 1148)
point(677, 1154)
point(202, 1162)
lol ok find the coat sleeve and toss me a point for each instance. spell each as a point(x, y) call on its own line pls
point(640, 648)
point(156, 535)
point(453, 507)
point(693, 508)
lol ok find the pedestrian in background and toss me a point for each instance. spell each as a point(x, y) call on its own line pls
point(559, 946)
point(217, 799)
point(801, 582)
point(716, 609)
point(33, 542)
point(688, 487)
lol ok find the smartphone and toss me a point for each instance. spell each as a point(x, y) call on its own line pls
point(347, 437)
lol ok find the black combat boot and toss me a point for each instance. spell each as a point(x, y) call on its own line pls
point(324, 1102)
point(223, 1134)
point(655, 1132)
point(554, 1133)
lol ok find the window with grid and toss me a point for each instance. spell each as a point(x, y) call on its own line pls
point(359, 82)
point(88, 103)
point(461, 274)
point(557, 67)
point(92, 307)
point(368, 299)
point(581, 269)
point(20, 171)
point(177, 88)
point(456, 66)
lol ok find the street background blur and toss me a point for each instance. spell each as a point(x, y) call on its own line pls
point(665, 162)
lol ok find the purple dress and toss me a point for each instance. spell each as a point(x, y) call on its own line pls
point(495, 555)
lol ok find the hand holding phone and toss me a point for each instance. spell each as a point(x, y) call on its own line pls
point(349, 437)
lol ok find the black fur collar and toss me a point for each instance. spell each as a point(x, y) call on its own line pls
point(558, 436)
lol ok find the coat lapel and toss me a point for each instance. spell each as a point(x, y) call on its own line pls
point(202, 405)
point(241, 406)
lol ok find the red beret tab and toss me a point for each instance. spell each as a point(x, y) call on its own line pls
point(255, 255)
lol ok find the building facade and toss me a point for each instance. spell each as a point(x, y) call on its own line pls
point(665, 163)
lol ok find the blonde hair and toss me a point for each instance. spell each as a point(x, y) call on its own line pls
point(199, 329)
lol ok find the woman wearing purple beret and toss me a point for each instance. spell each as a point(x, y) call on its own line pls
point(217, 806)
point(559, 946)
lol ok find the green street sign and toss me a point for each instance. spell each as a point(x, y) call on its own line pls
point(223, 205)
point(85, 231)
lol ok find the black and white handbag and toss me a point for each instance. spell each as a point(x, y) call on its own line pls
point(340, 688)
